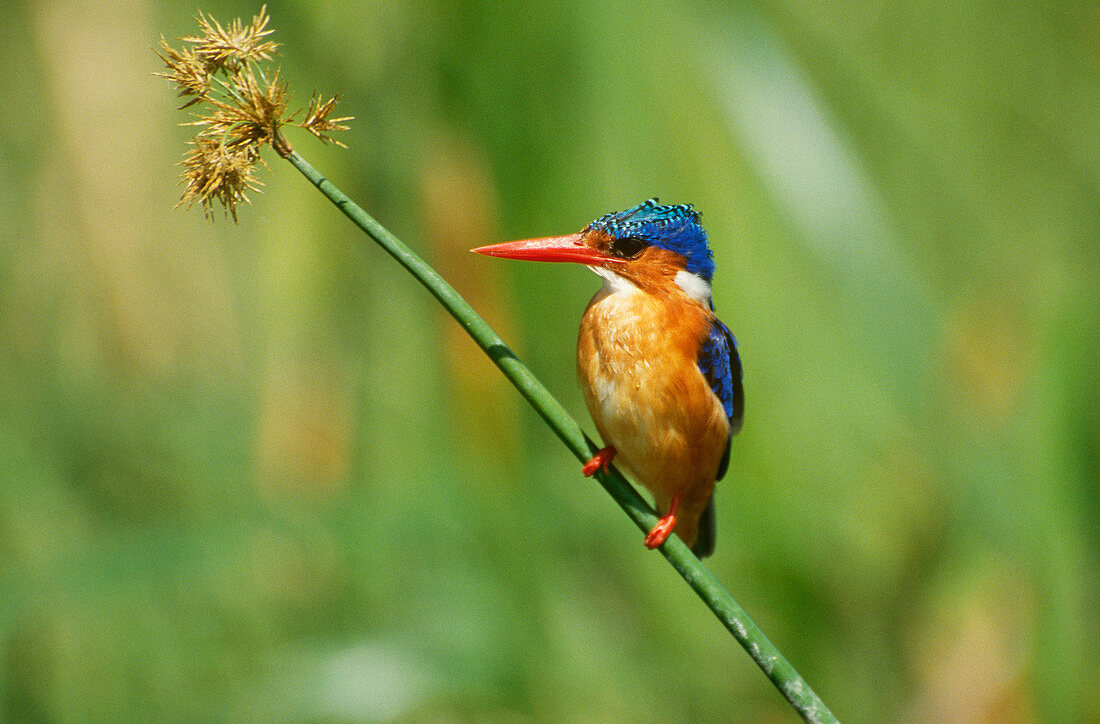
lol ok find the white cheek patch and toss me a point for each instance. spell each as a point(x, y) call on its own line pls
point(614, 283)
point(694, 286)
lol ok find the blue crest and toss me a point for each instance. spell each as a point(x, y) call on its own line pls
point(675, 228)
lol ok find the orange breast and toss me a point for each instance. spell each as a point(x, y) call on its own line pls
point(636, 359)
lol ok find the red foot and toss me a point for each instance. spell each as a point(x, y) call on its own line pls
point(656, 537)
point(600, 460)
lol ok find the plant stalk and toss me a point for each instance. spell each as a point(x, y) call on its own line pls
point(702, 581)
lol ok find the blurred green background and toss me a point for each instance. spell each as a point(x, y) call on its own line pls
point(254, 473)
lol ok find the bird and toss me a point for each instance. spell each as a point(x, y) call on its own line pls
point(660, 373)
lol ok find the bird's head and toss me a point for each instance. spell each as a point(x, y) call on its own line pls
point(650, 246)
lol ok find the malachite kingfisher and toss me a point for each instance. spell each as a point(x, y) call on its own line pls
point(660, 373)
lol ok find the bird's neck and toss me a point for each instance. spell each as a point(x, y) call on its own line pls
point(678, 288)
point(659, 272)
point(626, 318)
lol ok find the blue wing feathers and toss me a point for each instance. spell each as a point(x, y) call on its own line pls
point(721, 365)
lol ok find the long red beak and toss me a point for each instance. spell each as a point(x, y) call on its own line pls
point(551, 248)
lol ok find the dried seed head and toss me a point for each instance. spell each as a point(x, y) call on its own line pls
point(319, 124)
point(252, 117)
point(186, 71)
point(214, 171)
point(232, 47)
point(220, 70)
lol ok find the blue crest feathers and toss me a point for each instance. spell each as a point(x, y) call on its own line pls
point(672, 227)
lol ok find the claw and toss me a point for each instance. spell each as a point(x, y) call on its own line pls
point(599, 461)
point(660, 532)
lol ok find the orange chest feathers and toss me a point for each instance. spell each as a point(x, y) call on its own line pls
point(636, 360)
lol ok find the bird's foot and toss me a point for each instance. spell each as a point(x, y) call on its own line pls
point(599, 461)
point(660, 532)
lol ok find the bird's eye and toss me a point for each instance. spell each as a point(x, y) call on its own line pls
point(628, 247)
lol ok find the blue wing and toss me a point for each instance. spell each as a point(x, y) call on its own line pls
point(721, 365)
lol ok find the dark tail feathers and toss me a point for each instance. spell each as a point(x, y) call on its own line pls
point(708, 532)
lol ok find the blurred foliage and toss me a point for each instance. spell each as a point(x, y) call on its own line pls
point(253, 472)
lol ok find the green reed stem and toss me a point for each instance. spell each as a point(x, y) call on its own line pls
point(732, 616)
